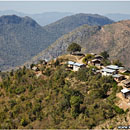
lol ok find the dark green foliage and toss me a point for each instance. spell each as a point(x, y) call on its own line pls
point(48, 72)
point(56, 62)
point(118, 110)
point(105, 54)
point(20, 90)
point(74, 47)
point(23, 122)
point(83, 74)
point(87, 58)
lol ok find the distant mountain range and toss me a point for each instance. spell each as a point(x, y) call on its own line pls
point(41, 18)
point(23, 38)
point(114, 38)
point(118, 17)
point(20, 39)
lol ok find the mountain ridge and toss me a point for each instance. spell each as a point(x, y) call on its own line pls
point(21, 38)
point(113, 38)
point(41, 18)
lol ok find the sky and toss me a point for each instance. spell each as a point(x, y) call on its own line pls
point(97, 7)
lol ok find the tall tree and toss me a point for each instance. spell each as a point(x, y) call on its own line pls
point(105, 54)
point(74, 47)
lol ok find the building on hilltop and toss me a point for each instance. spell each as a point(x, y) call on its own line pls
point(75, 66)
point(118, 77)
point(95, 62)
point(108, 72)
point(35, 68)
point(126, 93)
point(123, 70)
point(114, 67)
point(99, 57)
point(126, 83)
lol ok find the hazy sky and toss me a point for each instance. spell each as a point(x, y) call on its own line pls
point(59, 6)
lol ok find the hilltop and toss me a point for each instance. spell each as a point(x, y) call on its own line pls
point(21, 38)
point(113, 38)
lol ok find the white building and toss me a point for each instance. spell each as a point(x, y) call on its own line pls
point(126, 93)
point(108, 72)
point(75, 66)
point(113, 67)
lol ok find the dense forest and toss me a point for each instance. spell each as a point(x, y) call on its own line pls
point(59, 98)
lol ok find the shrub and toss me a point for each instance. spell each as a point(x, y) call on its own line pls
point(20, 90)
point(87, 58)
point(118, 110)
point(23, 122)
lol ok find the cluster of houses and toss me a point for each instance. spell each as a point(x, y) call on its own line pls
point(118, 73)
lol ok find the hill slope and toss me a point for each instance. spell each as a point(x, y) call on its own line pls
point(23, 38)
point(69, 23)
point(20, 39)
point(58, 99)
point(113, 38)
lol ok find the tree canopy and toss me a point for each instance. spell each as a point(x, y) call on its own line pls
point(74, 47)
point(105, 54)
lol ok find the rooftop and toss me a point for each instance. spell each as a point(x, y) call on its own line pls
point(78, 64)
point(117, 76)
point(96, 60)
point(98, 56)
point(125, 90)
point(74, 63)
point(108, 70)
point(114, 67)
point(126, 81)
point(70, 62)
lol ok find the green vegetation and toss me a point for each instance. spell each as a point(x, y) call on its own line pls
point(87, 58)
point(58, 99)
point(74, 47)
point(105, 54)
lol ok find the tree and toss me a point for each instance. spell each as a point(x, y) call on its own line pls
point(23, 122)
point(75, 100)
point(32, 65)
point(87, 58)
point(57, 62)
point(74, 47)
point(105, 54)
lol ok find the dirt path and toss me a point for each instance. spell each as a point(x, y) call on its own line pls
point(123, 103)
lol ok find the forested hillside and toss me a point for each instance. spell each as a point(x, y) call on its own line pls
point(57, 99)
